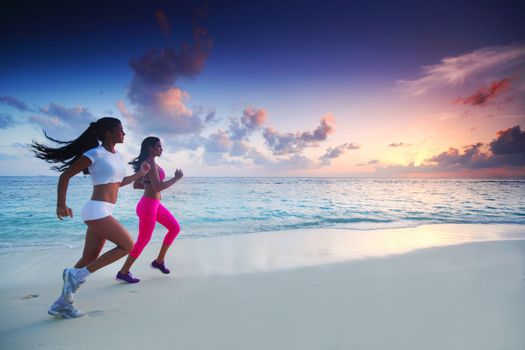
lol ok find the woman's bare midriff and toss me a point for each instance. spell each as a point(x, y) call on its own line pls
point(149, 192)
point(106, 192)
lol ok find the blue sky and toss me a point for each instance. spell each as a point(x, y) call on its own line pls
point(322, 88)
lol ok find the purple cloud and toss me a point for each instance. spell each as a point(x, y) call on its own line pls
point(472, 157)
point(231, 141)
point(504, 155)
point(218, 158)
point(159, 105)
point(332, 153)
point(69, 116)
point(13, 102)
point(230, 146)
point(163, 22)
point(62, 122)
point(506, 150)
point(45, 122)
point(371, 162)
point(57, 120)
point(239, 148)
point(218, 142)
point(185, 142)
point(398, 144)
point(509, 141)
point(287, 143)
point(210, 118)
point(251, 120)
point(294, 162)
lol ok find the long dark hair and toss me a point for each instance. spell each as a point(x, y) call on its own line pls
point(73, 150)
point(148, 142)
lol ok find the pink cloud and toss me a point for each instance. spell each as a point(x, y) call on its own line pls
point(172, 101)
point(251, 120)
point(484, 95)
point(121, 106)
point(453, 71)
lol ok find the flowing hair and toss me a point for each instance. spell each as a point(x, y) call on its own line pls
point(73, 150)
point(148, 142)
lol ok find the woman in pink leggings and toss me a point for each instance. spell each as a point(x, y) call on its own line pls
point(150, 210)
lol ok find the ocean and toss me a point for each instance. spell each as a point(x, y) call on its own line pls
point(219, 206)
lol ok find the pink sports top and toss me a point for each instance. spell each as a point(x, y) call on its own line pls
point(162, 174)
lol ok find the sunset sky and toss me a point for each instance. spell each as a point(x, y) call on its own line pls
point(273, 88)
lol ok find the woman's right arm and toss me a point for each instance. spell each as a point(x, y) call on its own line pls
point(63, 182)
point(158, 185)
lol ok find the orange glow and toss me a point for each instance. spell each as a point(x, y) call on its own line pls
point(173, 101)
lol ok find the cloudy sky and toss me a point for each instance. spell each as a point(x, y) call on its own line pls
point(273, 88)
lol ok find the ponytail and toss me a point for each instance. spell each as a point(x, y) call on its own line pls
point(73, 150)
point(148, 142)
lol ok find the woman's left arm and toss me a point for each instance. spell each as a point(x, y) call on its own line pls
point(144, 168)
point(138, 184)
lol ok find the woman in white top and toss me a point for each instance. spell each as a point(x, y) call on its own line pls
point(108, 170)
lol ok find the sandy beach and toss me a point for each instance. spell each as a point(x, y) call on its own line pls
point(430, 287)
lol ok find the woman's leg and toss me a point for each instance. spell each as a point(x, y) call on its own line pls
point(147, 213)
point(166, 219)
point(99, 231)
point(93, 244)
point(127, 265)
point(110, 229)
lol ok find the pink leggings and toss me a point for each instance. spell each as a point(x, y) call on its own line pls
point(149, 211)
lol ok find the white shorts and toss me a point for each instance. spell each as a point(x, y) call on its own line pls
point(94, 210)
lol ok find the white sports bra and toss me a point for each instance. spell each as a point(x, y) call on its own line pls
point(106, 167)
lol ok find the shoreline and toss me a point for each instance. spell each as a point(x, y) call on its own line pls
point(466, 295)
point(273, 250)
point(510, 227)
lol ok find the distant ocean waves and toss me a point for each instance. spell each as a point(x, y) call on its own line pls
point(207, 207)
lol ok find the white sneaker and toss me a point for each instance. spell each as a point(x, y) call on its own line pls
point(65, 311)
point(71, 284)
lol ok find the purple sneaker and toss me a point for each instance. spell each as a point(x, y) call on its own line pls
point(126, 278)
point(160, 266)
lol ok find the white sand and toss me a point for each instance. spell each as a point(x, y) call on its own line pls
point(423, 288)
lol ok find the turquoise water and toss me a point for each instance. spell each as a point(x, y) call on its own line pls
point(208, 207)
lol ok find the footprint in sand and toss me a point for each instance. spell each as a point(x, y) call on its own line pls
point(96, 313)
point(30, 296)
